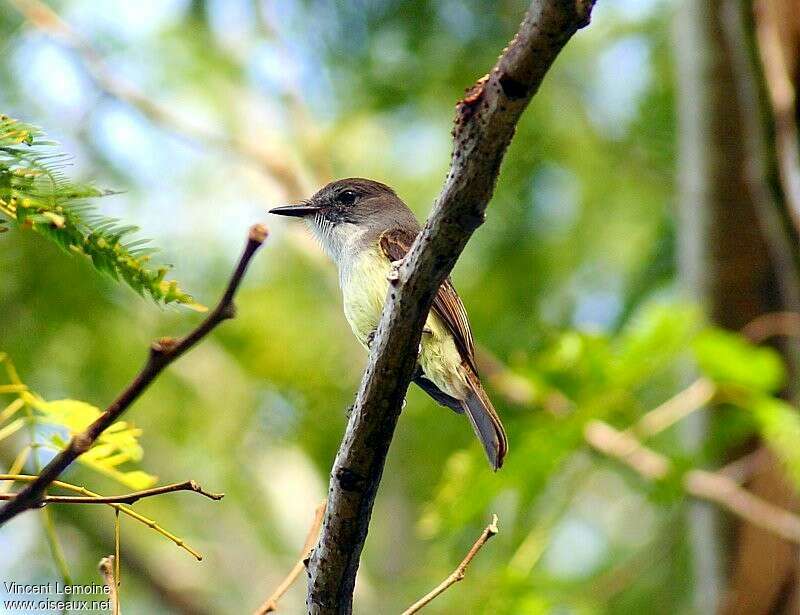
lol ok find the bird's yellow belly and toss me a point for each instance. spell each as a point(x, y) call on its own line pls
point(364, 289)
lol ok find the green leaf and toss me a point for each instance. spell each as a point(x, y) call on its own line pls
point(135, 479)
point(728, 358)
point(35, 194)
point(116, 445)
point(69, 413)
point(652, 340)
point(779, 424)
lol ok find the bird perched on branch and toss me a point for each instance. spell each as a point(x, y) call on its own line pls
point(365, 228)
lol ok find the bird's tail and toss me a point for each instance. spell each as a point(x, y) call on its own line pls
point(485, 422)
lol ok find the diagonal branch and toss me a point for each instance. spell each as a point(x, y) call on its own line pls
point(128, 498)
point(162, 353)
point(121, 508)
point(460, 571)
point(484, 126)
point(716, 487)
point(692, 398)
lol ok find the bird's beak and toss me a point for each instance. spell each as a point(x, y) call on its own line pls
point(298, 211)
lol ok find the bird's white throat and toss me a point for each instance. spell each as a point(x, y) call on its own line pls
point(341, 242)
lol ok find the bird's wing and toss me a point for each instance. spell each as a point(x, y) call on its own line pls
point(447, 305)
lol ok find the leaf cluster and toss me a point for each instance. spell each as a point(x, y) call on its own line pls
point(578, 377)
point(35, 194)
point(55, 422)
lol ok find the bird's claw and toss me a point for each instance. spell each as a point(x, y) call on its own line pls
point(394, 273)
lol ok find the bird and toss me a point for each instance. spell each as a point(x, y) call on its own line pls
point(365, 228)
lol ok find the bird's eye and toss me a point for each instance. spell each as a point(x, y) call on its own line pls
point(347, 197)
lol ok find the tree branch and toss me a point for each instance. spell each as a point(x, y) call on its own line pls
point(772, 324)
point(30, 478)
point(692, 398)
point(458, 574)
point(715, 487)
point(106, 568)
point(270, 605)
point(484, 125)
point(128, 498)
point(162, 353)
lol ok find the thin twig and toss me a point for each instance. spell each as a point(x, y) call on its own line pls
point(16, 467)
point(772, 324)
point(459, 573)
point(28, 478)
point(518, 390)
point(270, 605)
point(485, 122)
point(624, 447)
point(56, 550)
point(742, 469)
point(162, 353)
point(117, 559)
point(128, 498)
point(514, 388)
point(690, 399)
point(107, 572)
point(714, 487)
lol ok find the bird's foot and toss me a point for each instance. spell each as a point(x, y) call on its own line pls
point(371, 338)
point(394, 273)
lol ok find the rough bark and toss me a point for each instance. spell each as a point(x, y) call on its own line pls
point(484, 125)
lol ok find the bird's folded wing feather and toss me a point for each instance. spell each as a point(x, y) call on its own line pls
point(447, 305)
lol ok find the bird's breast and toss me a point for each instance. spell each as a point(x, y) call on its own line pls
point(364, 286)
point(364, 283)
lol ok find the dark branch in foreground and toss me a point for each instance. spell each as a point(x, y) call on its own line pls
point(484, 125)
point(128, 498)
point(162, 353)
point(459, 573)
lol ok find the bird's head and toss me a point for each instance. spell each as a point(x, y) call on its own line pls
point(352, 201)
point(347, 209)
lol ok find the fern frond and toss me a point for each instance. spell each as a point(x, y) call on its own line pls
point(36, 194)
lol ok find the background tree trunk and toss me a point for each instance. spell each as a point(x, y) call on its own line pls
point(737, 258)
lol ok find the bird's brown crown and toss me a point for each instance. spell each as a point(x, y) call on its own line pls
point(361, 186)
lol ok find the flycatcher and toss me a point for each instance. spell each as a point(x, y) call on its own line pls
point(364, 227)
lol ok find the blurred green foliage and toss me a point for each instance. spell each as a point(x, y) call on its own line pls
point(570, 284)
